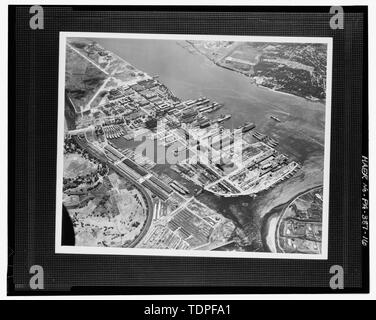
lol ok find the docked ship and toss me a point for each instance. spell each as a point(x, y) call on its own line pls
point(223, 117)
point(266, 139)
point(189, 103)
point(202, 101)
point(211, 108)
point(204, 124)
point(259, 136)
point(247, 127)
point(215, 106)
point(271, 142)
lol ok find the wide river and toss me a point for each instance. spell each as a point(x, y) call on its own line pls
point(190, 76)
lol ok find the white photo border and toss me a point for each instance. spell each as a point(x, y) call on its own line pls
point(60, 249)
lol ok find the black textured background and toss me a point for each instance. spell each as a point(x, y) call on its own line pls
point(33, 103)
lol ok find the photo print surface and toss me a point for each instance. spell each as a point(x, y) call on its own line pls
point(214, 146)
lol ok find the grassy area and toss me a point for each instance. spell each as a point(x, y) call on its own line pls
point(82, 78)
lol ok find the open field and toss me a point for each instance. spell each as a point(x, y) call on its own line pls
point(82, 79)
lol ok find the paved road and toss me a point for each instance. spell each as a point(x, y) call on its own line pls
point(85, 57)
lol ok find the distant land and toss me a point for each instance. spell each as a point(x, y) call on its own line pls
point(294, 68)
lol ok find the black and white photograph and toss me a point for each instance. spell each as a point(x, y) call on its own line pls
point(188, 145)
point(209, 151)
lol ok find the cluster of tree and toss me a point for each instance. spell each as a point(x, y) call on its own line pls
point(295, 81)
point(70, 146)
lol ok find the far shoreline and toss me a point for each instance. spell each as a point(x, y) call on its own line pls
point(322, 101)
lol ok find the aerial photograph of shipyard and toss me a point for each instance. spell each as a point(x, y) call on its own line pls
point(188, 145)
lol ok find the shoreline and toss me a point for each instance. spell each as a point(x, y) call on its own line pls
point(253, 84)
